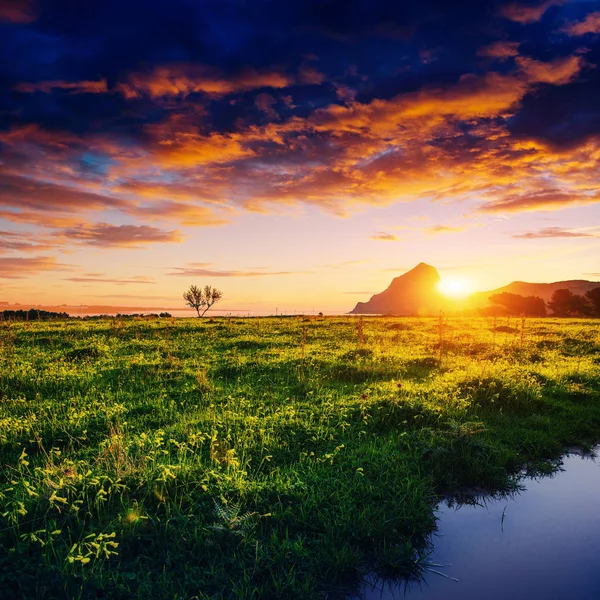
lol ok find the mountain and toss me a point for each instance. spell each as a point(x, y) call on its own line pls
point(543, 290)
point(413, 293)
point(416, 293)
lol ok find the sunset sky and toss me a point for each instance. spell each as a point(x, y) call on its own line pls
point(298, 155)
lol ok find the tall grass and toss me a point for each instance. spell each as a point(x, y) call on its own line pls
point(265, 458)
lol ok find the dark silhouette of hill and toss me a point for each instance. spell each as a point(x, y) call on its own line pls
point(413, 293)
point(416, 293)
point(543, 290)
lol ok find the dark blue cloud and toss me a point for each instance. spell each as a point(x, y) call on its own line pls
point(162, 77)
point(392, 46)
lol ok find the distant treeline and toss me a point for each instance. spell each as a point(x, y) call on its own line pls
point(129, 316)
point(33, 314)
point(564, 303)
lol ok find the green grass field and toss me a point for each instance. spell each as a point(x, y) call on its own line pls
point(265, 457)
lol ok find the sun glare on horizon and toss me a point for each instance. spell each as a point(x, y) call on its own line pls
point(455, 288)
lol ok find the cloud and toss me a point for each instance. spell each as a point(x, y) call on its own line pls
point(539, 200)
point(129, 236)
point(264, 102)
point(553, 232)
point(191, 214)
point(310, 76)
point(203, 270)
point(384, 237)
point(23, 242)
point(344, 92)
point(354, 131)
point(192, 164)
point(17, 11)
point(91, 278)
point(178, 143)
point(21, 268)
point(591, 24)
point(557, 72)
point(182, 79)
point(561, 120)
point(27, 200)
point(474, 96)
point(437, 229)
point(522, 13)
point(500, 49)
point(74, 87)
point(130, 296)
point(377, 152)
point(51, 204)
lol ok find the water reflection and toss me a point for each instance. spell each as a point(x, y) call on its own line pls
point(540, 544)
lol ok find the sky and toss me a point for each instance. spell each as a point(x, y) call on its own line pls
point(298, 154)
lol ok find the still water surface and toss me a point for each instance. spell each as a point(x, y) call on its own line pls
point(547, 546)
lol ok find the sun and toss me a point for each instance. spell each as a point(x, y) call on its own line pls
point(454, 288)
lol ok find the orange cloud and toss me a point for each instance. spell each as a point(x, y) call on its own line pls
point(21, 198)
point(26, 135)
point(489, 95)
point(591, 24)
point(310, 76)
point(437, 229)
point(27, 200)
point(541, 200)
point(182, 79)
point(131, 296)
point(439, 142)
point(344, 92)
point(23, 242)
point(128, 236)
point(264, 102)
point(360, 142)
point(500, 49)
point(553, 232)
point(54, 193)
point(189, 190)
point(522, 13)
point(75, 87)
point(191, 215)
point(179, 146)
point(203, 270)
point(557, 72)
point(93, 278)
point(383, 236)
point(21, 268)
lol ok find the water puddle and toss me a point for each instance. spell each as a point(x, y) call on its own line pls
point(540, 544)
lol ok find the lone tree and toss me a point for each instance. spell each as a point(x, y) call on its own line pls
point(202, 299)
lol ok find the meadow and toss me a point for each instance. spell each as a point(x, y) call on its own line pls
point(267, 457)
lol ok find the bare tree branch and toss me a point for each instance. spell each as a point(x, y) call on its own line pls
point(201, 299)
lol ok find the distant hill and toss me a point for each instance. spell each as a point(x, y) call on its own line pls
point(543, 290)
point(416, 293)
point(413, 293)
